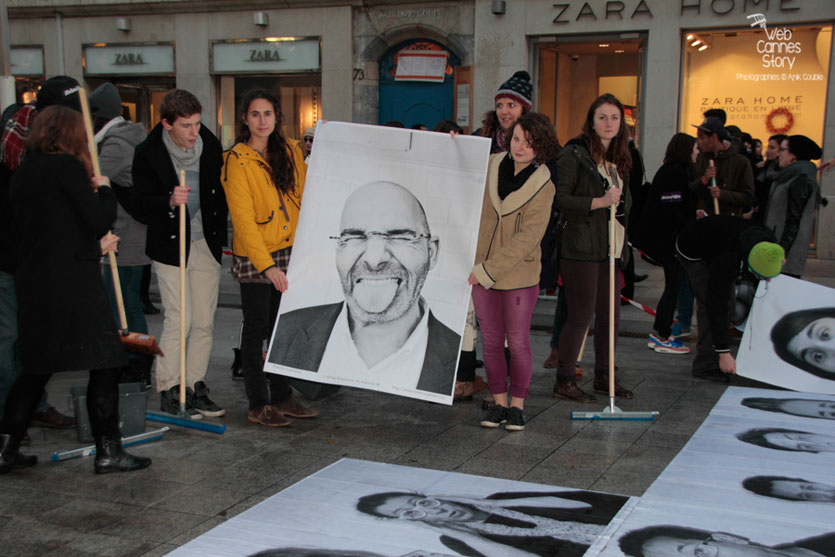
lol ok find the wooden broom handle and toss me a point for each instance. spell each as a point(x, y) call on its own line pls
point(713, 183)
point(182, 295)
point(94, 158)
point(612, 301)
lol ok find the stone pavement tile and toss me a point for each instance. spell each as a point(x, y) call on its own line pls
point(619, 431)
point(169, 468)
point(131, 489)
point(466, 438)
point(588, 464)
point(245, 504)
point(198, 530)
point(633, 473)
point(571, 475)
point(658, 438)
point(87, 515)
point(97, 545)
point(511, 469)
point(20, 502)
point(532, 436)
point(507, 451)
point(25, 538)
point(161, 550)
point(241, 479)
point(610, 447)
point(434, 459)
point(155, 525)
point(206, 499)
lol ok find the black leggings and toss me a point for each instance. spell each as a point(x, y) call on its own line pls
point(102, 403)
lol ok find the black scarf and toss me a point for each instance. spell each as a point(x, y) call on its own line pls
point(508, 182)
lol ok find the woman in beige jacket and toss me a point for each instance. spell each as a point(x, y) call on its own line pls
point(505, 279)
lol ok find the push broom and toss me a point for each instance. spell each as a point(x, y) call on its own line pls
point(182, 417)
point(612, 412)
point(139, 343)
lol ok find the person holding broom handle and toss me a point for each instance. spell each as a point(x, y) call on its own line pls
point(592, 176)
point(60, 212)
point(180, 142)
point(725, 181)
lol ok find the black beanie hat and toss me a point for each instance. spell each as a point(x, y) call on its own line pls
point(106, 102)
point(804, 148)
point(60, 90)
point(518, 88)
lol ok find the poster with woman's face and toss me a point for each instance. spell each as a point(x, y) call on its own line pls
point(789, 338)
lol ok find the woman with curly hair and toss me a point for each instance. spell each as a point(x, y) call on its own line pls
point(593, 176)
point(505, 279)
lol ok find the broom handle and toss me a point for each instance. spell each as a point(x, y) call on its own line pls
point(612, 211)
point(713, 183)
point(182, 296)
point(94, 157)
point(582, 347)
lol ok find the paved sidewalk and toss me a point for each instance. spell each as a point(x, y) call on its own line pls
point(199, 479)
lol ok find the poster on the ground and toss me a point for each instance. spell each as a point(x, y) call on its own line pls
point(755, 479)
point(355, 508)
point(789, 338)
point(387, 234)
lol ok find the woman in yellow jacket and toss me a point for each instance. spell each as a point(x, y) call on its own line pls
point(263, 176)
point(505, 279)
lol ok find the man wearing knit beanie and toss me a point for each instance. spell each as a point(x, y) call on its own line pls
point(713, 251)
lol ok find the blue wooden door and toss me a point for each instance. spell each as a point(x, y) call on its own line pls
point(413, 102)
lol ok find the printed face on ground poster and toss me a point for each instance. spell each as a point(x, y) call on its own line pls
point(737, 493)
point(789, 338)
point(387, 233)
point(370, 509)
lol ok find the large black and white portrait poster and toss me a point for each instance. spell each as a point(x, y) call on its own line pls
point(355, 508)
point(754, 480)
point(789, 338)
point(387, 234)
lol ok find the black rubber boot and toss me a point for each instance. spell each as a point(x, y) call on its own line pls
point(10, 457)
point(111, 457)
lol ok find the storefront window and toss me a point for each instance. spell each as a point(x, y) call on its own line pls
point(769, 79)
point(572, 72)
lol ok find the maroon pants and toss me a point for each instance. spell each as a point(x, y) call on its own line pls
point(587, 295)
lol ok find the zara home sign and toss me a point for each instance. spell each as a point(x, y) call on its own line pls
point(129, 59)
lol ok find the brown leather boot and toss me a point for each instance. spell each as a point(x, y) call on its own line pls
point(570, 391)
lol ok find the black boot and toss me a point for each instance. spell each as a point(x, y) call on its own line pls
point(10, 457)
point(111, 457)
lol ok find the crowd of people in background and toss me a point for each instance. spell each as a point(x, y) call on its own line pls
point(717, 204)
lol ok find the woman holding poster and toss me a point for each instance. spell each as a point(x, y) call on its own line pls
point(505, 279)
point(263, 176)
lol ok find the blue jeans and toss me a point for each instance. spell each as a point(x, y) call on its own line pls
point(684, 315)
point(10, 367)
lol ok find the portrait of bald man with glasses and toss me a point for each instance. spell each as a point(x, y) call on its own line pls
point(383, 334)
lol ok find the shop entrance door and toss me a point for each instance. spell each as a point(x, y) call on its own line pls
point(573, 71)
point(416, 102)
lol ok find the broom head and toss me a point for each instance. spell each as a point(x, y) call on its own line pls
point(140, 343)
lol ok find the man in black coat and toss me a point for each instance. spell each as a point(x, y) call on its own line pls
point(180, 143)
point(714, 251)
